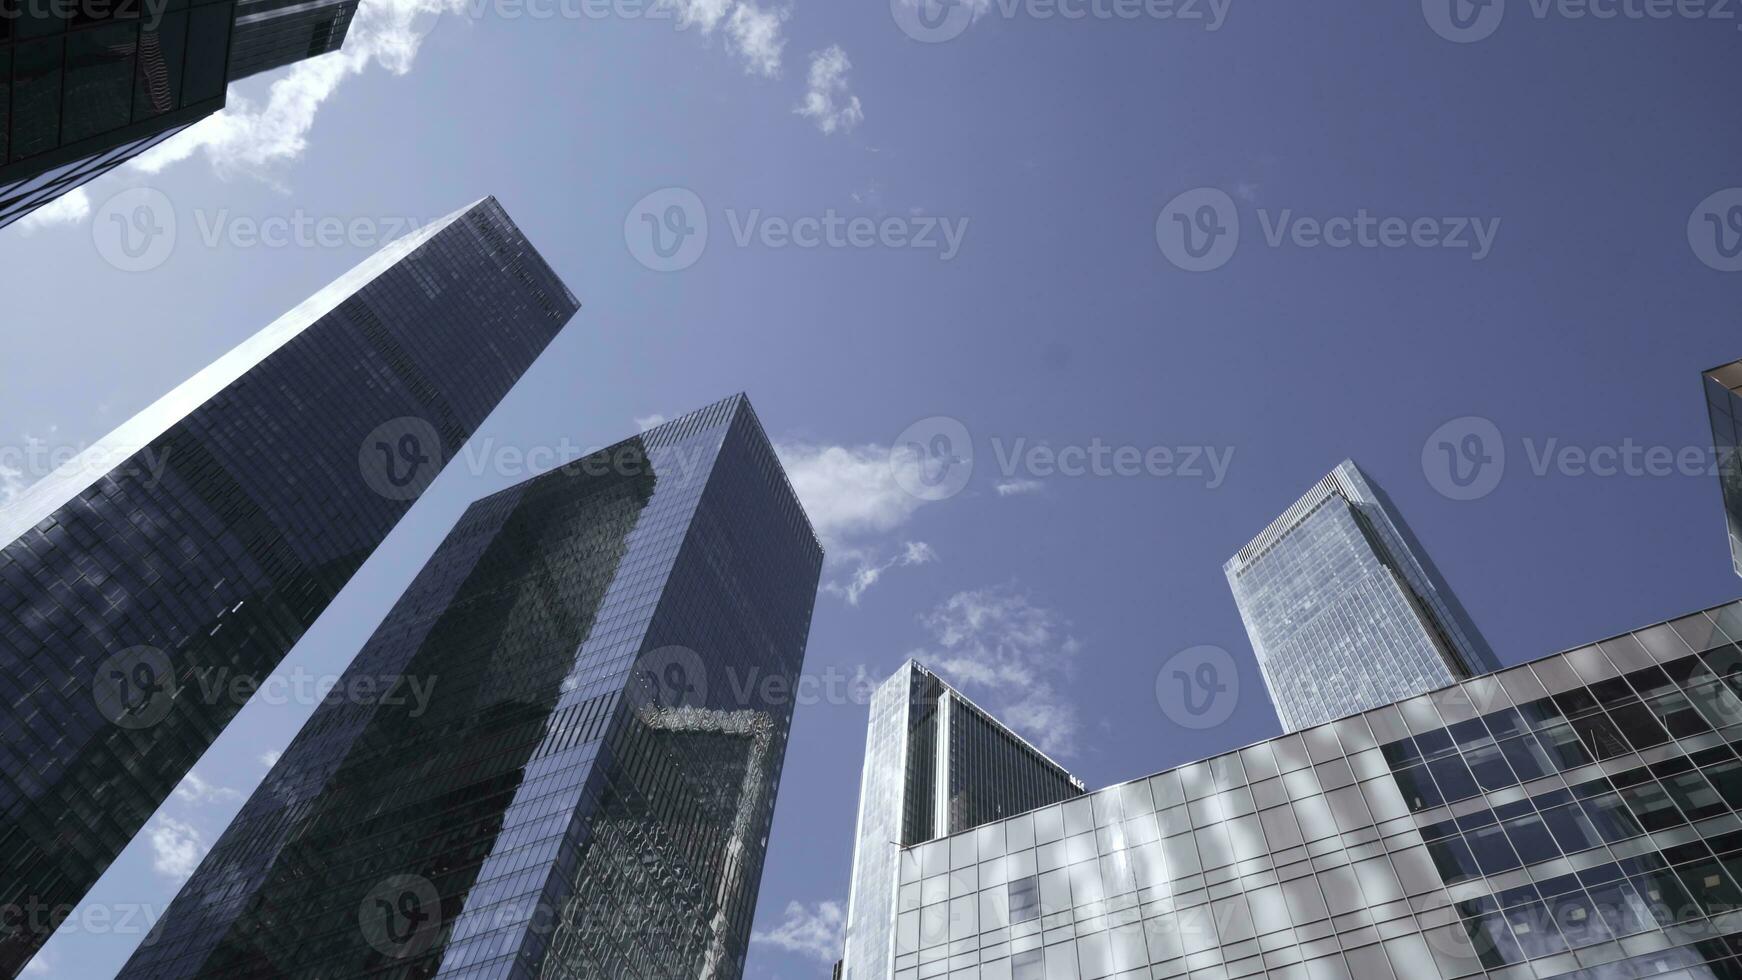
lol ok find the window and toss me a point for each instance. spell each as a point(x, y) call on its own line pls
point(1025, 899)
point(1531, 838)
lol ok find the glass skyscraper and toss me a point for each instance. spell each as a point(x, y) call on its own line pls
point(86, 85)
point(1574, 817)
point(1344, 609)
point(180, 558)
point(935, 765)
point(1723, 386)
point(585, 785)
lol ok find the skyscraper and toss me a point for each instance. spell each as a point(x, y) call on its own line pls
point(1723, 387)
point(1577, 817)
point(569, 766)
point(1344, 609)
point(86, 85)
point(935, 765)
point(180, 558)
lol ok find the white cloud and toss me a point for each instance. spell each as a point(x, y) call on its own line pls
point(646, 422)
point(995, 640)
point(270, 759)
point(195, 791)
point(39, 964)
point(176, 847)
point(1012, 488)
point(249, 136)
point(867, 573)
point(70, 208)
point(12, 483)
point(853, 498)
point(849, 492)
point(829, 101)
point(818, 934)
point(754, 33)
point(979, 7)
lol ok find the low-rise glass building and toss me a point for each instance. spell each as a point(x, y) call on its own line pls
point(1572, 817)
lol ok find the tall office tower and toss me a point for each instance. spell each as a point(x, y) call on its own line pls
point(86, 85)
point(935, 765)
point(572, 769)
point(1723, 387)
point(180, 558)
point(1578, 817)
point(271, 34)
point(1344, 609)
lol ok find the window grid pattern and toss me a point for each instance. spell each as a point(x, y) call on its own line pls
point(987, 771)
point(1343, 609)
point(1313, 855)
point(568, 815)
point(220, 542)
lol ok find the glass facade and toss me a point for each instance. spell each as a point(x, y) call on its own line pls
point(1344, 609)
point(86, 85)
point(178, 560)
point(274, 33)
point(935, 765)
point(1573, 817)
point(586, 788)
point(1723, 387)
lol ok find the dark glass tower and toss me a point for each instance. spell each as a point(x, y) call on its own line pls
point(586, 787)
point(1344, 609)
point(1724, 406)
point(190, 549)
point(87, 85)
point(935, 765)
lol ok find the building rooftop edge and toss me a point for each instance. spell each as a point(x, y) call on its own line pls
point(1272, 738)
point(989, 716)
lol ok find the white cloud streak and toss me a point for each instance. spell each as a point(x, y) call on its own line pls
point(176, 847)
point(195, 791)
point(998, 642)
point(867, 573)
point(817, 933)
point(252, 137)
point(71, 208)
point(755, 34)
point(829, 102)
point(853, 498)
point(1018, 487)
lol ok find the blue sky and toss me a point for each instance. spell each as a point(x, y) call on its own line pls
point(1538, 224)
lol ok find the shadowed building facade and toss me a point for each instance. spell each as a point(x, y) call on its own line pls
point(86, 85)
point(935, 765)
point(181, 557)
point(586, 785)
point(1344, 609)
point(1724, 407)
point(1577, 817)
